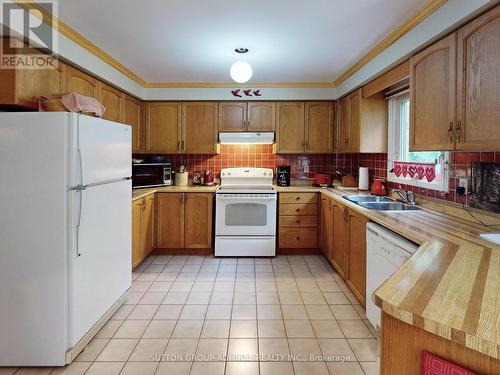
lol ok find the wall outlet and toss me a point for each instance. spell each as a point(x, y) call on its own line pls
point(462, 186)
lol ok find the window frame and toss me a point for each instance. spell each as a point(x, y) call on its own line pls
point(395, 151)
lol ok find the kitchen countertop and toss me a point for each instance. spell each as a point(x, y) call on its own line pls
point(141, 193)
point(451, 285)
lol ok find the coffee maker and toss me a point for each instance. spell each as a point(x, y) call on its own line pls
point(283, 175)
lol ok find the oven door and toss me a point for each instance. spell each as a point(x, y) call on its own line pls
point(245, 214)
point(146, 175)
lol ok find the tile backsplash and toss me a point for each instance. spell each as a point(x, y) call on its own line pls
point(262, 156)
point(460, 167)
point(306, 165)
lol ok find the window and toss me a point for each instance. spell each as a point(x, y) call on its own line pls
point(432, 165)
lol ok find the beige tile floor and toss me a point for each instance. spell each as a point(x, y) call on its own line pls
point(192, 315)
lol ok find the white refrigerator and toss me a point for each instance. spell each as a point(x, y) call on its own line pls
point(65, 232)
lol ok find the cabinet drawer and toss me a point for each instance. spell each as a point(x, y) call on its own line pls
point(298, 209)
point(298, 221)
point(305, 238)
point(298, 198)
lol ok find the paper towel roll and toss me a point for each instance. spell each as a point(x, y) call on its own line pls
point(363, 178)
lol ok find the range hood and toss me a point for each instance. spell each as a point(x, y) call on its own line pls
point(246, 138)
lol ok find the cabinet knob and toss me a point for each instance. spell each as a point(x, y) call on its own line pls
point(298, 238)
point(297, 210)
point(297, 198)
point(298, 221)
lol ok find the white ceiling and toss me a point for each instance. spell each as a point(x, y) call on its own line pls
point(194, 40)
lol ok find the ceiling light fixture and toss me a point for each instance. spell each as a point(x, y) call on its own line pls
point(241, 71)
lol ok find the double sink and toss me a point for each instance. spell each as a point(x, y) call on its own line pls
point(372, 202)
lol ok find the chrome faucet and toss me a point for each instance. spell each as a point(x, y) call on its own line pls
point(406, 196)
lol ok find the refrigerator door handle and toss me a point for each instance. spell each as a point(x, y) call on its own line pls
point(79, 190)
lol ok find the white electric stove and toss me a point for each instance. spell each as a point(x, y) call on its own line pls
point(245, 213)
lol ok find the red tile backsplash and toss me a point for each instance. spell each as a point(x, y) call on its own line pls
point(459, 168)
point(262, 156)
point(306, 165)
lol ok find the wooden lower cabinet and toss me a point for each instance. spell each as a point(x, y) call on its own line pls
point(326, 235)
point(343, 242)
point(356, 254)
point(170, 220)
point(298, 222)
point(402, 346)
point(142, 228)
point(198, 221)
point(184, 220)
point(338, 247)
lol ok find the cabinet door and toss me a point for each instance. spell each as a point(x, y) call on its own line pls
point(112, 99)
point(132, 115)
point(198, 221)
point(432, 96)
point(479, 83)
point(338, 249)
point(81, 83)
point(170, 220)
point(326, 226)
point(136, 232)
point(261, 117)
point(163, 127)
point(199, 127)
point(30, 84)
point(356, 255)
point(232, 117)
point(147, 225)
point(290, 127)
point(354, 121)
point(319, 127)
point(342, 134)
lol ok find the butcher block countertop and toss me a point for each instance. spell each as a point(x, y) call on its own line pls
point(451, 285)
point(141, 193)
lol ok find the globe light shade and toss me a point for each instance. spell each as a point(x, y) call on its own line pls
point(241, 71)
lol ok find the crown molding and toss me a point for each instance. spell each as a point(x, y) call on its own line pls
point(430, 7)
point(234, 84)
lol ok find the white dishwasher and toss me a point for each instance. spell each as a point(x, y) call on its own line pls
point(386, 252)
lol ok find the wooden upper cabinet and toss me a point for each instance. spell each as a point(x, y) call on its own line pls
point(170, 220)
point(132, 115)
point(112, 100)
point(478, 89)
point(232, 117)
point(198, 221)
point(432, 96)
point(261, 117)
point(81, 83)
point(23, 87)
point(342, 133)
point(319, 127)
point(163, 127)
point(290, 127)
point(354, 122)
point(199, 127)
point(356, 254)
point(362, 123)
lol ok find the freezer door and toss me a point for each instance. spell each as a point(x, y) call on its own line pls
point(100, 253)
point(104, 150)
